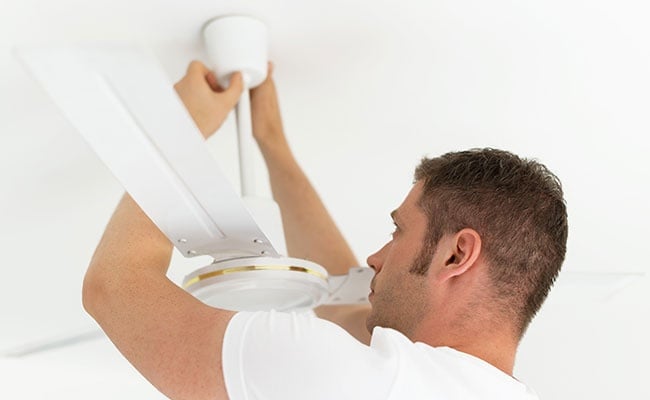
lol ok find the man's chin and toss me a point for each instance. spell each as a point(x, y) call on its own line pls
point(371, 321)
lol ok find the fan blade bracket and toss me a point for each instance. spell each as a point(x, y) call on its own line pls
point(352, 288)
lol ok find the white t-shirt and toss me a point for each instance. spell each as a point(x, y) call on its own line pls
point(291, 356)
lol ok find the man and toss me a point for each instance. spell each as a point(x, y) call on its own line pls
point(478, 242)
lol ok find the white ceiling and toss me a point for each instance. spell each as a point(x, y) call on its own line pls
point(367, 88)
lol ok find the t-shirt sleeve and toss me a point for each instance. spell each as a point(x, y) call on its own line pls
point(286, 356)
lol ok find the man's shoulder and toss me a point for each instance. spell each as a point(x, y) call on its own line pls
point(444, 372)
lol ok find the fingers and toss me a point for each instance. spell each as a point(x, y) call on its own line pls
point(200, 74)
point(234, 91)
point(212, 81)
point(197, 72)
point(197, 68)
point(269, 71)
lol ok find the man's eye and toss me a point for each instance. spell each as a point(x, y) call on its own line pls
point(395, 230)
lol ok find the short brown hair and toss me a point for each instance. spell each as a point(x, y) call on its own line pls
point(517, 207)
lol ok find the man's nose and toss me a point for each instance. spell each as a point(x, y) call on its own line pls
point(376, 260)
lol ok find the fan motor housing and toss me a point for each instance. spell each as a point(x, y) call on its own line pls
point(260, 284)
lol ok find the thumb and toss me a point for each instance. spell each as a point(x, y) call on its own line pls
point(234, 90)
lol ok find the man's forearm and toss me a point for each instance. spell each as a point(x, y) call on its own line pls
point(311, 233)
point(309, 229)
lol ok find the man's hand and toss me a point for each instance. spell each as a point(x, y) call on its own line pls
point(207, 102)
point(265, 110)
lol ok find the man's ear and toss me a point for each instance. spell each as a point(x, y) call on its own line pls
point(461, 252)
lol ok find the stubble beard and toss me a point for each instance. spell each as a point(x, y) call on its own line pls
point(401, 305)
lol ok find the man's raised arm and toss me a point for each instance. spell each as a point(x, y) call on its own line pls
point(172, 338)
point(309, 229)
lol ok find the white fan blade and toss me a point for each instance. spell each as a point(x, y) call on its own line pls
point(120, 100)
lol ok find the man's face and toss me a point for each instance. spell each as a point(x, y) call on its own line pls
point(399, 298)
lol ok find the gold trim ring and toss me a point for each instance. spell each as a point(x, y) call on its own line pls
point(225, 271)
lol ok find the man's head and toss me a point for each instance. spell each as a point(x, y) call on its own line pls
point(481, 206)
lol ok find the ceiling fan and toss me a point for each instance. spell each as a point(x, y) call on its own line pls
point(119, 99)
